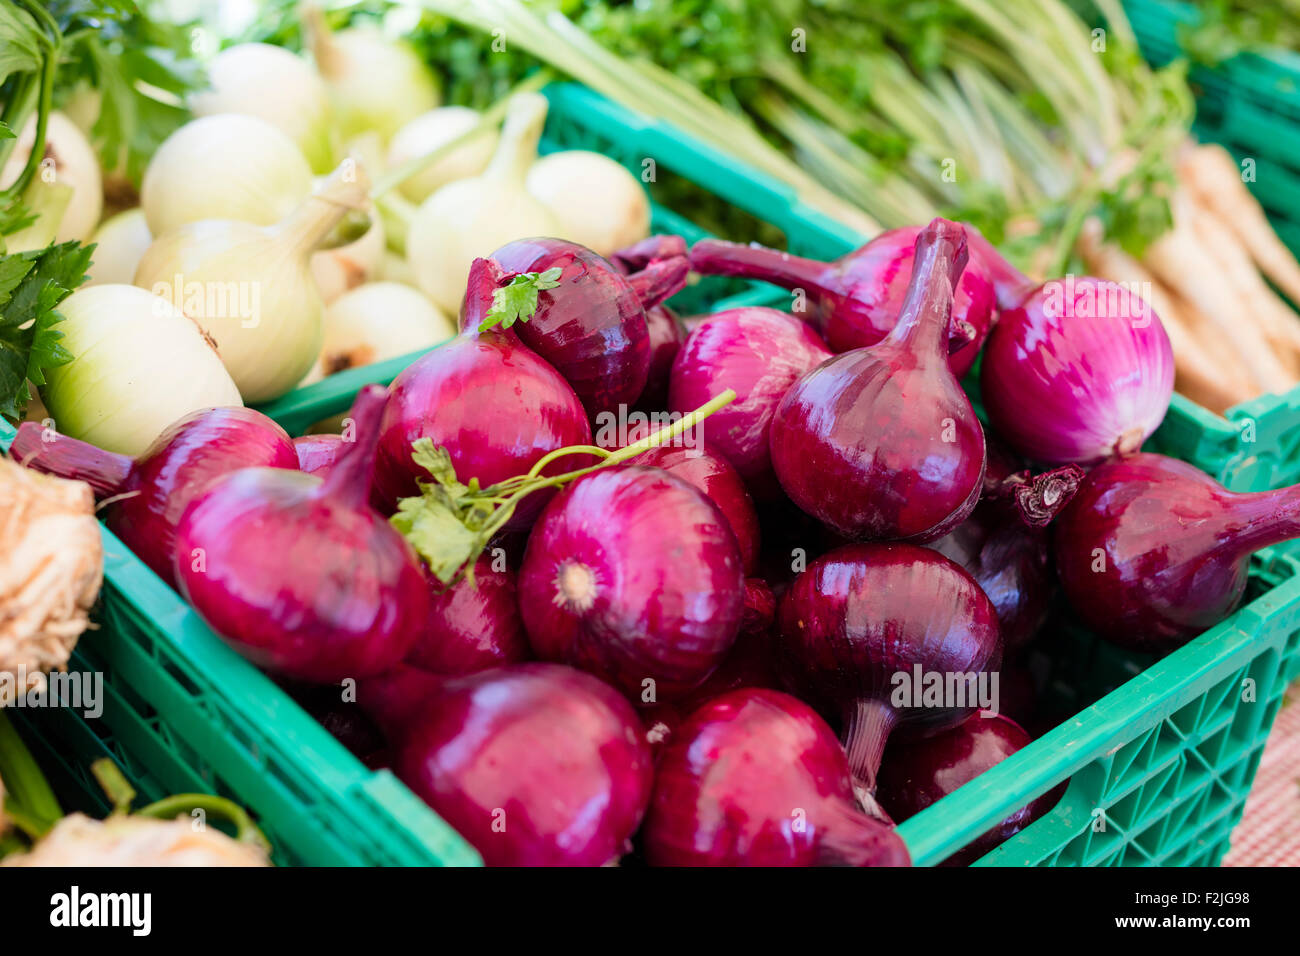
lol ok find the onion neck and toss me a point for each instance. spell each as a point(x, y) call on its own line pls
point(659, 280)
point(1265, 518)
point(641, 254)
point(349, 481)
point(849, 838)
point(320, 40)
point(309, 226)
point(1010, 285)
point(105, 471)
point(924, 322)
point(718, 258)
point(1036, 500)
point(517, 150)
point(867, 728)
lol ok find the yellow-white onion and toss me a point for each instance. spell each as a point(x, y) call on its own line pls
point(227, 166)
point(597, 201)
point(74, 164)
point(378, 321)
point(120, 243)
point(251, 287)
point(376, 83)
point(352, 263)
point(138, 364)
point(474, 217)
point(269, 82)
point(436, 128)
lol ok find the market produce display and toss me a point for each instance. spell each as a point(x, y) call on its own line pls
point(603, 584)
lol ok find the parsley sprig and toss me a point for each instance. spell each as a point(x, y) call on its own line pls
point(516, 301)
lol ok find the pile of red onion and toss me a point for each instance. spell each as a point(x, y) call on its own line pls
point(764, 645)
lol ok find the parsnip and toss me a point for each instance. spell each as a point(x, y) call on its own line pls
point(1211, 173)
point(1182, 262)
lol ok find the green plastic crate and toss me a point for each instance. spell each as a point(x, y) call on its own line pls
point(186, 713)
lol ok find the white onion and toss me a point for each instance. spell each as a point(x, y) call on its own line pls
point(475, 217)
point(597, 201)
point(120, 243)
point(269, 82)
point(75, 165)
point(378, 321)
point(426, 133)
point(377, 83)
point(138, 365)
point(251, 286)
point(224, 167)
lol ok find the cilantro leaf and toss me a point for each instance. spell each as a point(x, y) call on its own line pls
point(516, 301)
point(32, 284)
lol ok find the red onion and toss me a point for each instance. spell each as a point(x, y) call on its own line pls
point(856, 300)
point(300, 574)
point(493, 403)
point(756, 778)
point(859, 622)
point(344, 720)
point(633, 574)
point(153, 491)
point(472, 625)
point(533, 764)
point(881, 442)
point(759, 353)
point(1005, 544)
point(592, 325)
point(1077, 369)
point(317, 454)
point(1152, 551)
point(718, 480)
point(925, 771)
point(667, 331)
point(750, 663)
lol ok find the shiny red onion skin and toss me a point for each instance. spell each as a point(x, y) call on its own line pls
point(711, 474)
point(553, 754)
point(493, 403)
point(319, 592)
point(1152, 551)
point(591, 327)
point(633, 574)
point(667, 336)
point(318, 453)
point(181, 464)
point(855, 301)
point(863, 613)
point(914, 776)
point(758, 352)
point(881, 443)
point(1064, 380)
point(1013, 566)
point(472, 626)
point(756, 778)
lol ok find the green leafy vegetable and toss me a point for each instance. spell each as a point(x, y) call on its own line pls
point(32, 284)
point(516, 301)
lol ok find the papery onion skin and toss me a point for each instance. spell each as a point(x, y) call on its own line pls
point(1081, 369)
point(881, 442)
point(758, 352)
point(591, 327)
point(533, 764)
point(318, 453)
point(855, 301)
point(1152, 551)
point(605, 589)
point(492, 402)
point(863, 617)
point(914, 776)
point(300, 575)
point(756, 778)
point(472, 625)
point(712, 475)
